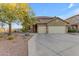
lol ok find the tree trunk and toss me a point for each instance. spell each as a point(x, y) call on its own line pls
point(10, 29)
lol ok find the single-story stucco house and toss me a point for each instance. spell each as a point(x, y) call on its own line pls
point(73, 22)
point(50, 25)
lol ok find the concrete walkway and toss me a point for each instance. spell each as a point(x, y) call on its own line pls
point(54, 45)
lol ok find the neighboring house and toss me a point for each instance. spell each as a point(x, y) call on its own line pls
point(50, 25)
point(73, 22)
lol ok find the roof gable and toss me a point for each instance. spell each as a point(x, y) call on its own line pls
point(73, 19)
point(46, 19)
point(57, 22)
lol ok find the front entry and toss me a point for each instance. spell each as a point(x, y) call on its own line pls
point(35, 28)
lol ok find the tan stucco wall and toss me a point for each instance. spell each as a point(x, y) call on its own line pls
point(66, 30)
point(78, 26)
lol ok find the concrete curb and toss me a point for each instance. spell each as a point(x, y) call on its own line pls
point(31, 46)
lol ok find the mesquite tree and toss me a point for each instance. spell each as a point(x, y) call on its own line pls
point(11, 12)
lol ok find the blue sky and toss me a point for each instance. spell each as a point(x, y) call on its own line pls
point(63, 10)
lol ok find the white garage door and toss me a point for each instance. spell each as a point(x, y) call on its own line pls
point(56, 29)
point(41, 29)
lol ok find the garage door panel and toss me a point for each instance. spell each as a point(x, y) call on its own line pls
point(41, 29)
point(56, 29)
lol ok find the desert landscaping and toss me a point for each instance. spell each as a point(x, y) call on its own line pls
point(18, 46)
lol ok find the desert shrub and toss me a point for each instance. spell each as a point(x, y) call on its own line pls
point(10, 37)
point(24, 30)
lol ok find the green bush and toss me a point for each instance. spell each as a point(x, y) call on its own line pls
point(24, 30)
point(72, 30)
point(10, 37)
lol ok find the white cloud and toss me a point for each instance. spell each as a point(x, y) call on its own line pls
point(71, 5)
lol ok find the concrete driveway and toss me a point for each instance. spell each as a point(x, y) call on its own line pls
point(54, 45)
